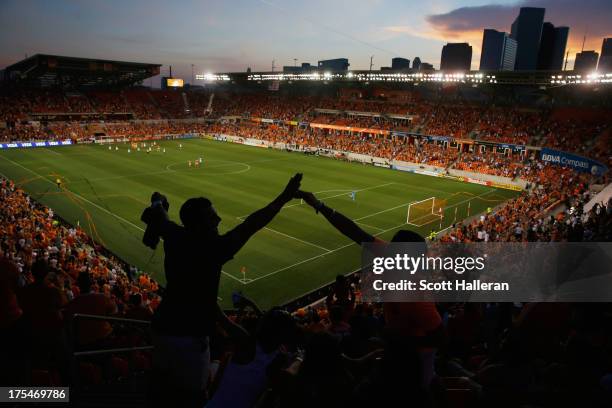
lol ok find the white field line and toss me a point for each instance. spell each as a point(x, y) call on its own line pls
point(382, 211)
point(169, 169)
point(327, 250)
point(437, 218)
point(232, 276)
point(152, 173)
point(292, 237)
point(352, 243)
point(97, 206)
point(343, 194)
point(242, 217)
point(52, 151)
point(78, 195)
point(297, 239)
point(120, 195)
point(279, 270)
point(368, 226)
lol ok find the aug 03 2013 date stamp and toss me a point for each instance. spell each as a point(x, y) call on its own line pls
point(34, 394)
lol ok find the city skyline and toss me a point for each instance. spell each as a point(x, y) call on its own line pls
point(215, 36)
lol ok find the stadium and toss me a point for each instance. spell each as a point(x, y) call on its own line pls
point(473, 157)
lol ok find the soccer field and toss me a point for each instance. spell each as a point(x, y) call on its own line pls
point(106, 190)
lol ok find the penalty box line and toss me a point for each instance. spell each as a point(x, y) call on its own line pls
point(295, 238)
point(97, 206)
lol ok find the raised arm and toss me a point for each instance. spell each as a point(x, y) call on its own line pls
point(342, 223)
point(260, 218)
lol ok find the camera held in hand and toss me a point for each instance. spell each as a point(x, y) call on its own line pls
point(152, 216)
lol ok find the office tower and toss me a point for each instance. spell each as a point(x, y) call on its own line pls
point(456, 57)
point(498, 51)
point(334, 65)
point(552, 47)
point(586, 61)
point(527, 30)
point(400, 63)
point(605, 60)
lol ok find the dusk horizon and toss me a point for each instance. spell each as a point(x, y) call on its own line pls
point(212, 35)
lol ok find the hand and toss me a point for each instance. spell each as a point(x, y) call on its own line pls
point(292, 187)
point(308, 197)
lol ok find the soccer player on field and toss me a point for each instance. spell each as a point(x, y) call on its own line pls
point(58, 181)
point(189, 163)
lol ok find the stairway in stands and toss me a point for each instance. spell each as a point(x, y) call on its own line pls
point(210, 103)
point(185, 104)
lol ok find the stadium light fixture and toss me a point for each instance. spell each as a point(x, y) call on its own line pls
point(327, 75)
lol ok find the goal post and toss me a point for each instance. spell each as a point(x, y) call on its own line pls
point(425, 211)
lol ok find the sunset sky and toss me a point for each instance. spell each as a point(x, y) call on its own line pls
point(231, 35)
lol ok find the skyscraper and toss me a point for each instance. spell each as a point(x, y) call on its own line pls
point(456, 57)
point(498, 51)
point(605, 60)
point(400, 63)
point(527, 30)
point(334, 65)
point(586, 61)
point(552, 47)
point(416, 64)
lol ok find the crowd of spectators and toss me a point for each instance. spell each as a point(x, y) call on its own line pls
point(566, 129)
point(345, 352)
point(132, 129)
point(49, 272)
point(408, 149)
point(528, 218)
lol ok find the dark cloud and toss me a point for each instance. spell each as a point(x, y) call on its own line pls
point(471, 18)
point(593, 17)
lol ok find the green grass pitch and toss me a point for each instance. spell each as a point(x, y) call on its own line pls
point(106, 191)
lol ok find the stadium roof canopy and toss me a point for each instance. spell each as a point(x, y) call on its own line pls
point(471, 78)
point(42, 70)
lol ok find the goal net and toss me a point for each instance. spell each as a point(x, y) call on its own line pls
point(425, 211)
